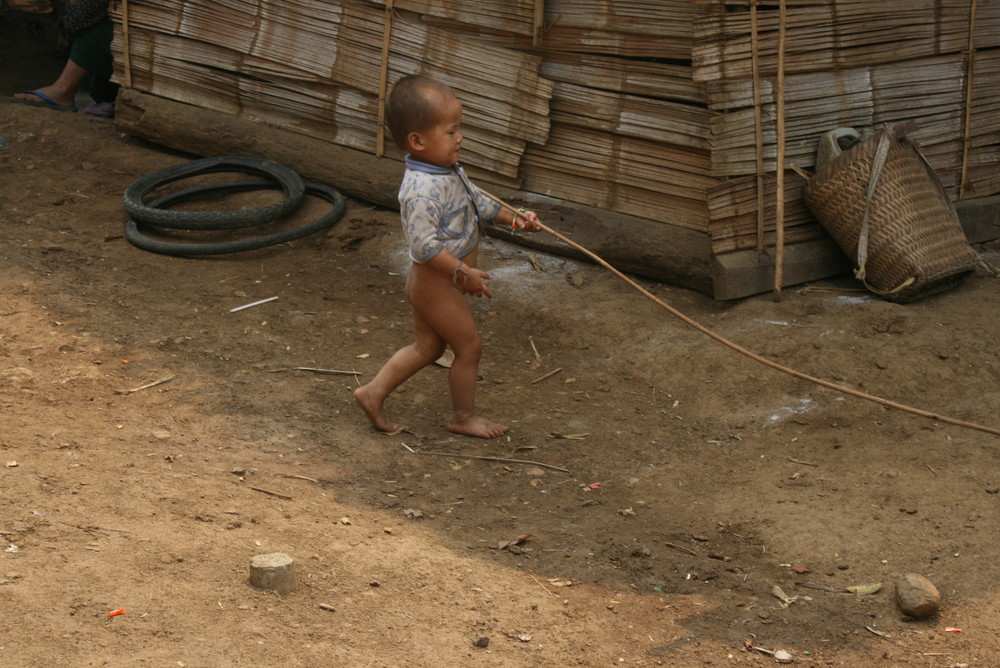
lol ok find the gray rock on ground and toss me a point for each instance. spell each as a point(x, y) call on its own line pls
point(917, 596)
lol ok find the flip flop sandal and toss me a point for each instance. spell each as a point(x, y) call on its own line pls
point(46, 101)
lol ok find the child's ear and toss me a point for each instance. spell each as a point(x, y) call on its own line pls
point(414, 141)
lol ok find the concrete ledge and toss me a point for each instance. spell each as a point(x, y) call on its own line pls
point(746, 273)
point(980, 218)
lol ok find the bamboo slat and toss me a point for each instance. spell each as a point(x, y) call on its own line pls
point(633, 77)
point(510, 16)
point(983, 169)
point(733, 206)
point(631, 116)
point(654, 29)
point(623, 174)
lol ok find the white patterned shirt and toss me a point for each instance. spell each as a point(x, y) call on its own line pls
point(441, 209)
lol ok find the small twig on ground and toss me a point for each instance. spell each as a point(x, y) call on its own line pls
point(756, 648)
point(532, 342)
point(682, 549)
point(161, 381)
point(297, 477)
point(330, 371)
point(832, 590)
point(489, 459)
point(540, 584)
point(930, 469)
point(252, 304)
point(267, 491)
point(876, 632)
point(549, 374)
point(89, 528)
point(328, 607)
point(799, 461)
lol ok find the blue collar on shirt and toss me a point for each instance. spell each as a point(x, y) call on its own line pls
point(411, 163)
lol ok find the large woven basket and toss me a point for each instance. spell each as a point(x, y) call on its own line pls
point(887, 209)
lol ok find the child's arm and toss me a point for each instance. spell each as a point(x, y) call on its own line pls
point(522, 220)
point(468, 280)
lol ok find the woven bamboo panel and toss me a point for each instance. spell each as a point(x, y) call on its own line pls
point(929, 91)
point(830, 35)
point(314, 67)
point(645, 107)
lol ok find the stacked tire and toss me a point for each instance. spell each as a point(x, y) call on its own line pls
point(146, 217)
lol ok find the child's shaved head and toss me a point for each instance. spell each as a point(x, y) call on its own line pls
point(413, 106)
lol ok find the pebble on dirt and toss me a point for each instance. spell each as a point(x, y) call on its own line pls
point(917, 596)
point(481, 641)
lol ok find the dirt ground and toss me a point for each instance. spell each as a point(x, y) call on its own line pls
point(662, 485)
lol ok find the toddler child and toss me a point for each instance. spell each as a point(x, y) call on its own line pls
point(442, 213)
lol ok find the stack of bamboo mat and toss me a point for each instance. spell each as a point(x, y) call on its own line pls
point(663, 109)
point(315, 67)
point(851, 63)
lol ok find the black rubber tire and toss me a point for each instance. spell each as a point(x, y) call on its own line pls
point(287, 179)
point(136, 237)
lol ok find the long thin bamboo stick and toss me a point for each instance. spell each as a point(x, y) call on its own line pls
point(740, 349)
point(757, 126)
point(779, 203)
point(537, 22)
point(382, 75)
point(127, 60)
point(967, 117)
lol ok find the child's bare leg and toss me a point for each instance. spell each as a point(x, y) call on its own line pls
point(427, 347)
point(403, 364)
point(462, 382)
point(446, 312)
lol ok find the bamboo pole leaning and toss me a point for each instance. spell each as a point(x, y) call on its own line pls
point(967, 116)
point(779, 204)
point(744, 351)
point(383, 72)
point(758, 128)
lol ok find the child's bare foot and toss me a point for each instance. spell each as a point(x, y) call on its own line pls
point(477, 426)
point(373, 409)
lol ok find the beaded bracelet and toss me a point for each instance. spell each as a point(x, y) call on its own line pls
point(458, 268)
point(513, 222)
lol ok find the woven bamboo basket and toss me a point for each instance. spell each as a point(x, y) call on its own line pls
point(886, 208)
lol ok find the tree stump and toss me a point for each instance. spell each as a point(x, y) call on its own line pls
point(273, 572)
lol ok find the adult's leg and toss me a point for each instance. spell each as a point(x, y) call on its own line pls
point(63, 90)
point(90, 55)
point(92, 51)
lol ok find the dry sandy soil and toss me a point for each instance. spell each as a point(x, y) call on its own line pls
point(676, 482)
